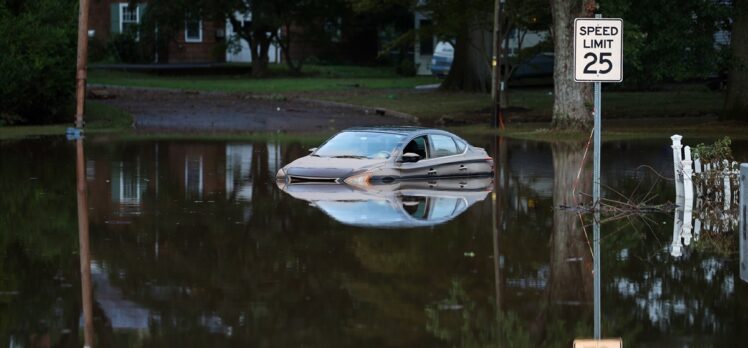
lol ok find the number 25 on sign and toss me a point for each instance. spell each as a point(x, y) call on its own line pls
point(598, 50)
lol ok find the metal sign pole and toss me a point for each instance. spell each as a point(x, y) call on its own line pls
point(598, 57)
point(596, 202)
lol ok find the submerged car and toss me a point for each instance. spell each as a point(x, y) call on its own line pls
point(403, 204)
point(383, 155)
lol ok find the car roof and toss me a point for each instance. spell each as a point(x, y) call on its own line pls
point(403, 130)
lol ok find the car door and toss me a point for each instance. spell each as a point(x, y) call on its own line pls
point(444, 159)
point(423, 169)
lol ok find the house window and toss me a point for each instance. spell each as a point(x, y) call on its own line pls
point(193, 31)
point(129, 17)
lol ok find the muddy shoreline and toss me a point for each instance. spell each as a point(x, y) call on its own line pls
point(156, 109)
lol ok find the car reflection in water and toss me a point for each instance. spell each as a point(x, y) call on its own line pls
point(397, 205)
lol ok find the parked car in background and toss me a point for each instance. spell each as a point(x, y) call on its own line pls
point(536, 71)
point(442, 59)
point(369, 156)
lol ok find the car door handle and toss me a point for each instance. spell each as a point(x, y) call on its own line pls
point(432, 172)
point(463, 168)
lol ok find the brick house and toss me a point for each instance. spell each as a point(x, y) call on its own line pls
point(199, 42)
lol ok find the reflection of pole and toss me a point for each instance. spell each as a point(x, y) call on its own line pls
point(495, 224)
point(85, 256)
point(81, 74)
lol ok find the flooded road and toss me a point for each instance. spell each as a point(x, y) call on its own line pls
point(193, 244)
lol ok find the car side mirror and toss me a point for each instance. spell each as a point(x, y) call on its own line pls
point(410, 157)
point(313, 149)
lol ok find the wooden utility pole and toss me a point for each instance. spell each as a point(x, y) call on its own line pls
point(496, 85)
point(82, 63)
point(83, 239)
point(80, 169)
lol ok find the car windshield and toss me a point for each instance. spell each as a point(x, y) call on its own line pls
point(360, 145)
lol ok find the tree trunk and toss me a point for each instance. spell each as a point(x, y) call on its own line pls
point(571, 262)
point(285, 43)
point(572, 103)
point(258, 66)
point(259, 54)
point(470, 70)
point(568, 292)
point(736, 102)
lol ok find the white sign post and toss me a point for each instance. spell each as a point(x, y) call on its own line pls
point(598, 57)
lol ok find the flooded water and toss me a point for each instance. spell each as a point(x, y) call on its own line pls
point(193, 244)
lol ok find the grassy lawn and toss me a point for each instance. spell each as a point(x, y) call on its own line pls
point(527, 105)
point(381, 87)
point(625, 114)
point(316, 78)
point(100, 118)
point(695, 129)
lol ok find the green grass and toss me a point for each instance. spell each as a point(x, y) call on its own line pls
point(99, 118)
point(311, 139)
point(694, 129)
point(534, 104)
point(626, 115)
point(320, 78)
point(381, 87)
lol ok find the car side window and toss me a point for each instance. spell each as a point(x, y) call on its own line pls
point(416, 206)
point(418, 146)
point(460, 145)
point(442, 145)
point(442, 207)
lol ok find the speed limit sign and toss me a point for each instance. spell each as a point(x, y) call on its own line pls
point(598, 50)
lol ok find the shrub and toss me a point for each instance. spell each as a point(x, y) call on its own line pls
point(37, 60)
point(128, 48)
point(406, 68)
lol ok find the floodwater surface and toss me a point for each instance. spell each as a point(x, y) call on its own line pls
point(194, 244)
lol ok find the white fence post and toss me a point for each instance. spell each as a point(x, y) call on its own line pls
point(677, 164)
point(727, 196)
point(676, 248)
point(688, 193)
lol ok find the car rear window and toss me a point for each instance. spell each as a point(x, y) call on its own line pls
point(443, 145)
point(460, 145)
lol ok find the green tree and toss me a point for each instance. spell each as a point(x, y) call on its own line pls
point(284, 22)
point(571, 100)
point(736, 102)
point(673, 41)
point(37, 60)
point(467, 24)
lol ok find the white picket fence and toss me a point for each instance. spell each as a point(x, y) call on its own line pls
point(707, 196)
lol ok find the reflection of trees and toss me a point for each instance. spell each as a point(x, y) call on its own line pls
point(569, 289)
point(648, 294)
point(291, 276)
point(40, 298)
point(570, 263)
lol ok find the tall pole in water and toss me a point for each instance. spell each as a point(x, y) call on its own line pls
point(83, 239)
point(81, 72)
point(80, 169)
point(496, 84)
